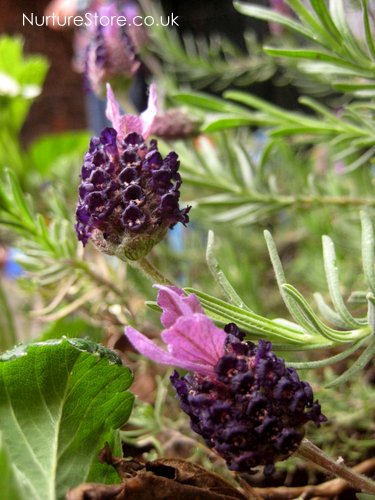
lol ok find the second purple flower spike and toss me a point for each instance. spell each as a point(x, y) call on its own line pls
point(240, 397)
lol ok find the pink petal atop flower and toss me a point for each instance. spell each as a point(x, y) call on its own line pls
point(196, 339)
point(175, 303)
point(194, 342)
point(149, 349)
point(113, 109)
point(148, 116)
point(125, 124)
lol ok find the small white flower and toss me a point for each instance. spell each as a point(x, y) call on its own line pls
point(9, 86)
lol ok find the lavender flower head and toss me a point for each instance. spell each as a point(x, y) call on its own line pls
point(110, 54)
point(129, 194)
point(240, 397)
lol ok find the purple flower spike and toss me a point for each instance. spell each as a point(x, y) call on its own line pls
point(129, 194)
point(240, 397)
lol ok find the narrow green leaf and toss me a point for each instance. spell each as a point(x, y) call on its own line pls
point(368, 30)
point(255, 325)
point(327, 312)
point(368, 250)
point(358, 365)
point(20, 200)
point(307, 365)
point(60, 401)
point(358, 297)
point(269, 15)
point(318, 326)
point(314, 55)
point(309, 19)
point(294, 310)
point(224, 123)
point(219, 275)
point(325, 17)
point(350, 43)
point(205, 102)
point(333, 282)
point(353, 87)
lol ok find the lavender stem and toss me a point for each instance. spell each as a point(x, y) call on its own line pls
point(310, 452)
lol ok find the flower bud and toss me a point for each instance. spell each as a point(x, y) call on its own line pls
point(174, 124)
point(110, 54)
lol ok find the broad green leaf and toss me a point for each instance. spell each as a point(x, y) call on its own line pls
point(11, 486)
point(60, 402)
point(71, 326)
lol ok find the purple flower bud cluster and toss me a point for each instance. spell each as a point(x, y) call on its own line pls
point(110, 53)
point(128, 195)
point(253, 410)
point(175, 124)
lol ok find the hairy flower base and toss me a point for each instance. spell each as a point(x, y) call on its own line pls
point(128, 194)
point(252, 411)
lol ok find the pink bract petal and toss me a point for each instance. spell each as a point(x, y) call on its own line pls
point(128, 124)
point(148, 116)
point(113, 109)
point(175, 303)
point(125, 124)
point(149, 349)
point(195, 339)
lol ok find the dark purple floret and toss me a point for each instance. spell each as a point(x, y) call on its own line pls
point(127, 188)
point(253, 411)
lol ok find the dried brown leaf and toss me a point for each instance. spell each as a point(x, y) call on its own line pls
point(158, 480)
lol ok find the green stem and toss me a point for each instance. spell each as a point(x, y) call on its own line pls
point(310, 452)
point(151, 272)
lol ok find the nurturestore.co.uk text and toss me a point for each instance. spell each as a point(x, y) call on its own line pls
point(93, 19)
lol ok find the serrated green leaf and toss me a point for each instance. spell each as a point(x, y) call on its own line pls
point(60, 401)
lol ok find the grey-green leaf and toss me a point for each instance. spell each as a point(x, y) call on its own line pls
point(60, 401)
